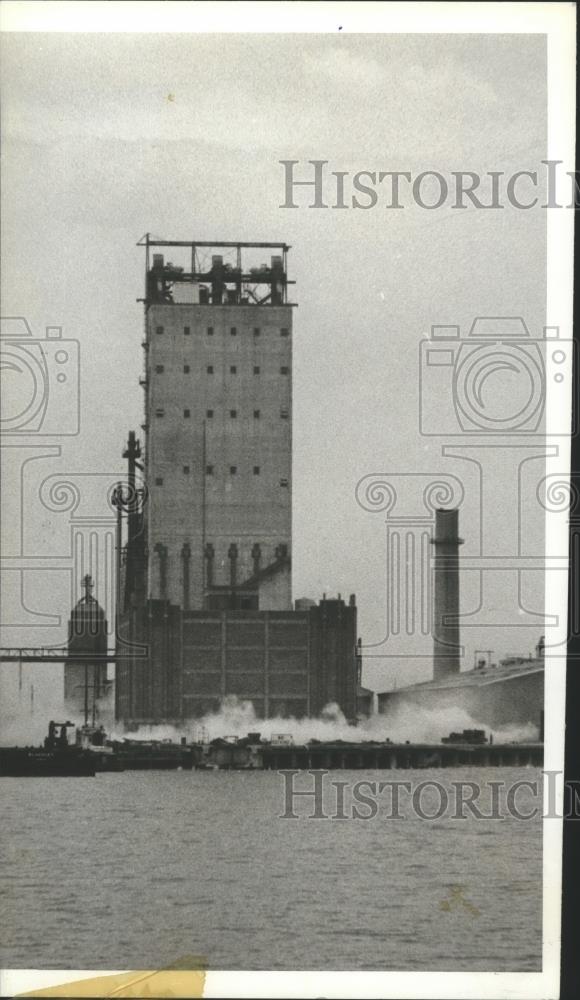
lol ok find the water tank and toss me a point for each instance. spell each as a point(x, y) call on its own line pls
point(304, 603)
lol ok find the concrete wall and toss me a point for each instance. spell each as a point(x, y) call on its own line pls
point(263, 658)
point(187, 505)
point(334, 636)
point(274, 590)
point(364, 703)
point(287, 663)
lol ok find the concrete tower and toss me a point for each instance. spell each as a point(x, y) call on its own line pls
point(206, 611)
point(446, 645)
point(218, 385)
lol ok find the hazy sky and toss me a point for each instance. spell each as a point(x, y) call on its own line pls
point(108, 137)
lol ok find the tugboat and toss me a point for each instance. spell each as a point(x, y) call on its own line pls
point(57, 758)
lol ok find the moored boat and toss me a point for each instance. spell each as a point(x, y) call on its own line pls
point(56, 759)
point(152, 755)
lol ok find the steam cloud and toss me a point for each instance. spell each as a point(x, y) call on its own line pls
point(19, 725)
point(406, 722)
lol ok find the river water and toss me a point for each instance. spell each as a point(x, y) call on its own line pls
point(139, 870)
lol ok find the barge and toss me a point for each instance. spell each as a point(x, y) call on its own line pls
point(152, 755)
point(129, 754)
point(56, 759)
point(93, 753)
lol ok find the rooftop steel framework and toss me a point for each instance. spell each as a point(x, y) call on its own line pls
point(220, 275)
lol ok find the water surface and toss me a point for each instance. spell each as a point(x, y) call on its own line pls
point(137, 870)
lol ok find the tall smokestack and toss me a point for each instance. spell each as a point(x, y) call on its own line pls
point(446, 647)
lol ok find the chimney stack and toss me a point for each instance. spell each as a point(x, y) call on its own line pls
point(446, 647)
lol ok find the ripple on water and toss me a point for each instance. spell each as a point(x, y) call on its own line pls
point(273, 893)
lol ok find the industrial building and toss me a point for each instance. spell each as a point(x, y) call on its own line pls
point(205, 524)
point(85, 679)
point(287, 663)
point(506, 694)
point(204, 532)
point(218, 433)
point(498, 696)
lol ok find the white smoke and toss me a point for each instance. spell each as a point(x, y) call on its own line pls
point(25, 713)
point(408, 721)
point(404, 722)
point(28, 727)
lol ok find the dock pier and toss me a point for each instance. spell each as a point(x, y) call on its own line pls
point(374, 756)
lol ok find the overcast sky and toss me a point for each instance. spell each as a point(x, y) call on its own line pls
point(108, 137)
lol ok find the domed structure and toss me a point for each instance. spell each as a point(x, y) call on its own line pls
point(85, 678)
